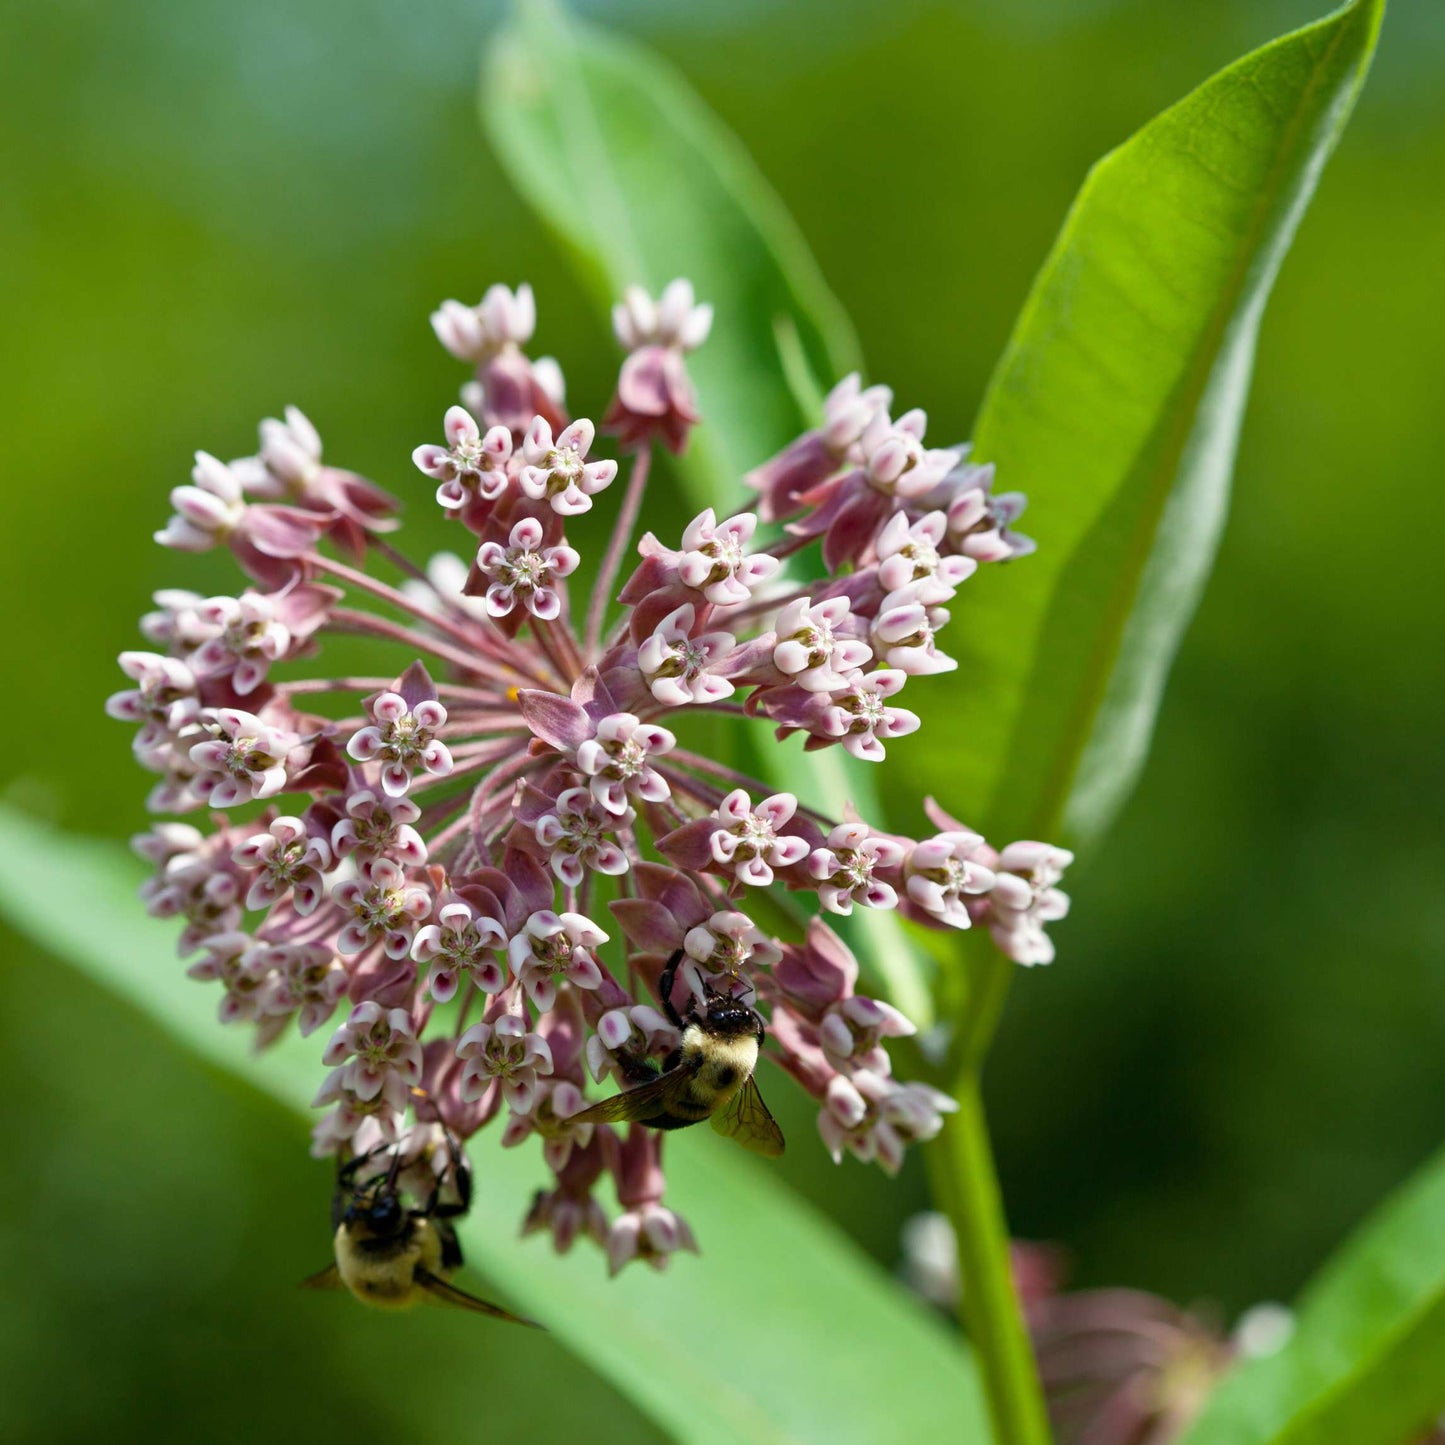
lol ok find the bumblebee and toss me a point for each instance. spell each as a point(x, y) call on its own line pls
point(391, 1256)
point(710, 1076)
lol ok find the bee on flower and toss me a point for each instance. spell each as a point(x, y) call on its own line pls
point(504, 879)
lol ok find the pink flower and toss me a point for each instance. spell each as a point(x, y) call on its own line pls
point(978, 521)
point(896, 462)
point(555, 1103)
point(1023, 899)
point(651, 1233)
point(289, 469)
point(525, 571)
point(504, 1053)
point(232, 960)
point(244, 758)
point(675, 319)
point(289, 459)
point(305, 979)
point(874, 1118)
point(404, 740)
point(848, 410)
point(240, 637)
point(943, 872)
point(852, 1033)
point(617, 761)
point(379, 826)
point(569, 1211)
point(904, 635)
point(748, 839)
point(908, 556)
point(164, 699)
point(471, 465)
point(461, 943)
point(350, 1120)
point(285, 858)
point(162, 626)
point(635, 1033)
point(558, 472)
point(728, 942)
point(812, 647)
point(845, 869)
point(655, 397)
point(477, 333)
point(207, 511)
point(715, 560)
point(373, 1055)
point(194, 881)
point(382, 907)
point(645, 1230)
point(861, 717)
point(675, 664)
point(552, 947)
point(574, 834)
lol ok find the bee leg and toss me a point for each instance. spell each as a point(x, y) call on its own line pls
point(451, 1246)
point(664, 989)
point(461, 1172)
point(345, 1173)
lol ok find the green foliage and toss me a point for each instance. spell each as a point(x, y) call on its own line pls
point(744, 1343)
point(1117, 407)
point(1367, 1359)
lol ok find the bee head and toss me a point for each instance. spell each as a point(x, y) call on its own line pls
point(732, 1018)
point(376, 1210)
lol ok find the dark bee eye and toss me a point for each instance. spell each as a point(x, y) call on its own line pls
point(385, 1211)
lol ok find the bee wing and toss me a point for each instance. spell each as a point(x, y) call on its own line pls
point(328, 1278)
point(639, 1103)
point(748, 1120)
point(449, 1294)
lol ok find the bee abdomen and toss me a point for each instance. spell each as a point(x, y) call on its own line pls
point(687, 1108)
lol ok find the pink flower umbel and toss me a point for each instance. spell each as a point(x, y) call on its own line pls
point(512, 869)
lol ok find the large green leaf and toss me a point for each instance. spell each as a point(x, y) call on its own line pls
point(781, 1331)
point(1367, 1359)
point(643, 183)
point(1117, 408)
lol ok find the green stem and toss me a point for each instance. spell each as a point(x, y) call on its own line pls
point(966, 1186)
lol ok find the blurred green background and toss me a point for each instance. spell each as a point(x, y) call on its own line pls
point(212, 210)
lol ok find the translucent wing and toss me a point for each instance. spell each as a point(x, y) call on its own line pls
point(642, 1102)
point(328, 1278)
point(449, 1294)
point(748, 1120)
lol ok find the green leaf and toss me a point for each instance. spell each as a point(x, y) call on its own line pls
point(643, 183)
point(1367, 1359)
point(781, 1331)
point(1117, 407)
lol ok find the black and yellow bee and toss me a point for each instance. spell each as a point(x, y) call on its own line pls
point(709, 1076)
point(391, 1256)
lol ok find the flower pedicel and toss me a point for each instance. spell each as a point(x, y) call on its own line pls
point(477, 872)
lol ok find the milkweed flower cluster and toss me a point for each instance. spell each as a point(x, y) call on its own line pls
point(474, 873)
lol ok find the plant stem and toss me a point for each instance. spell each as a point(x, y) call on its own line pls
point(966, 1186)
point(612, 560)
